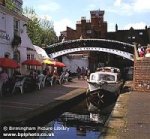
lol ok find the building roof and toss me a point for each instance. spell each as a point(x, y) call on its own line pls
point(25, 40)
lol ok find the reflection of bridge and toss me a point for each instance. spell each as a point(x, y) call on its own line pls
point(109, 46)
point(85, 119)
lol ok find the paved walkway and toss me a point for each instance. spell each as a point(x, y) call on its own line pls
point(138, 117)
point(18, 105)
point(130, 118)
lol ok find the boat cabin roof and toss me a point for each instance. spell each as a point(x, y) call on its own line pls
point(105, 74)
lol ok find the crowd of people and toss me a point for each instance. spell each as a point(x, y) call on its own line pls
point(144, 52)
point(6, 82)
point(82, 72)
point(52, 77)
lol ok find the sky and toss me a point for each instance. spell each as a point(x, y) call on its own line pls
point(63, 13)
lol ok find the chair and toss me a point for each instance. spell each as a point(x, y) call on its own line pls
point(66, 78)
point(39, 82)
point(19, 84)
point(50, 80)
point(61, 79)
point(44, 80)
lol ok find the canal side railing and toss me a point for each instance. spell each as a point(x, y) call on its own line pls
point(141, 77)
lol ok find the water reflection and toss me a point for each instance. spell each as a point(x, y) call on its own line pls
point(102, 102)
point(84, 120)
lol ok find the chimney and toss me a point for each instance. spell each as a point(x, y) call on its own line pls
point(116, 27)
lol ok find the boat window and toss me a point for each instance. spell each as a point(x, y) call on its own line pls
point(106, 77)
point(118, 77)
point(93, 77)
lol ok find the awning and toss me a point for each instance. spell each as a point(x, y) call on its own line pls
point(53, 63)
point(58, 64)
point(8, 63)
point(32, 62)
point(48, 62)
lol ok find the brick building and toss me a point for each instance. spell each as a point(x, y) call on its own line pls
point(140, 36)
point(96, 27)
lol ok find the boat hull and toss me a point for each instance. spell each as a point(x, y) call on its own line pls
point(110, 87)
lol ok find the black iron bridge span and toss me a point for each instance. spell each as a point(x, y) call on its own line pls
point(122, 49)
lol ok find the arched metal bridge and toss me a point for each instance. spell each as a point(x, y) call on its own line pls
point(103, 45)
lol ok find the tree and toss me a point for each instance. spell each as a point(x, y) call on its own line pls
point(41, 31)
point(48, 34)
point(9, 4)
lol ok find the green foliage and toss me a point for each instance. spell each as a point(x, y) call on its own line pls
point(41, 31)
point(9, 4)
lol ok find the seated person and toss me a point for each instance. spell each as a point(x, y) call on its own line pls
point(4, 81)
point(40, 74)
point(4, 76)
point(33, 78)
point(147, 52)
point(16, 76)
point(66, 75)
point(55, 76)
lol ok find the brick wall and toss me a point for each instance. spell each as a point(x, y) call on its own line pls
point(142, 74)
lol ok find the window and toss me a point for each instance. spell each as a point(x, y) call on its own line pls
point(140, 33)
point(28, 56)
point(106, 77)
point(17, 56)
point(118, 77)
point(16, 26)
point(32, 56)
point(93, 77)
point(2, 21)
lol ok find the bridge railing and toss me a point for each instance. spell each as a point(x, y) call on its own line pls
point(141, 77)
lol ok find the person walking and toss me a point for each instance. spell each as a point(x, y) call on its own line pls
point(83, 72)
point(78, 70)
point(87, 72)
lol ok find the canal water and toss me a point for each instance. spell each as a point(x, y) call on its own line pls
point(84, 120)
